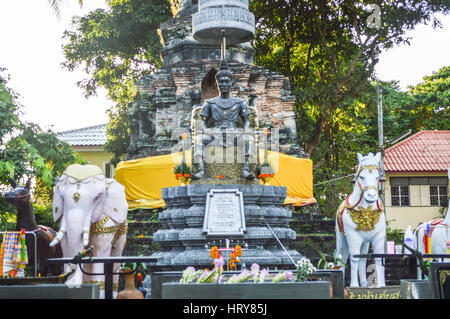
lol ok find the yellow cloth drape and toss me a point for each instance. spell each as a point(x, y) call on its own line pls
point(143, 178)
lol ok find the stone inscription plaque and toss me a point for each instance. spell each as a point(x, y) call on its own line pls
point(224, 213)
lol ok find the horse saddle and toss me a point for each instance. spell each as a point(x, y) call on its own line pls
point(47, 231)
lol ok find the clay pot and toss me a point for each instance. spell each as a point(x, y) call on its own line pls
point(130, 291)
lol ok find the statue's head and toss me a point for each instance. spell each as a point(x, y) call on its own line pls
point(224, 78)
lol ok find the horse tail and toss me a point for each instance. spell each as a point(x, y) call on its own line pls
point(341, 245)
point(341, 240)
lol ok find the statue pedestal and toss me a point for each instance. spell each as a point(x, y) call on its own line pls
point(182, 239)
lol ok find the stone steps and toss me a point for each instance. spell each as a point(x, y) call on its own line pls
point(142, 224)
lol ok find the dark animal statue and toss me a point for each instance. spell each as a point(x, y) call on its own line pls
point(21, 199)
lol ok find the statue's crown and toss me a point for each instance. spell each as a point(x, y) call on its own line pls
point(224, 71)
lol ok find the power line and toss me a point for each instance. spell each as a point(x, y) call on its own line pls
point(332, 180)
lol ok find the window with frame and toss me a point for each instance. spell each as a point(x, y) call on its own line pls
point(400, 195)
point(399, 191)
point(438, 191)
point(438, 195)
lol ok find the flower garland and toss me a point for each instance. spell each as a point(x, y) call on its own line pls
point(233, 261)
point(214, 252)
point(23, 252)
point(238, 250)
point(2, 251)
point(13, 251)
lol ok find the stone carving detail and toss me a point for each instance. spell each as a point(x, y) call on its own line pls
point(214, 3)
point(168, 117)
point(214, 17)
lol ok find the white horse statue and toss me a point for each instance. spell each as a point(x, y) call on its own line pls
point(360, 221)
point(439, 233)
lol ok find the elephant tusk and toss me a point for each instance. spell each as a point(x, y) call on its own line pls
point(86, 236)
point(58, 237)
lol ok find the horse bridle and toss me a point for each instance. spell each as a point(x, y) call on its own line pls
point(17, 196)
point(361, 168)
point(369, 167)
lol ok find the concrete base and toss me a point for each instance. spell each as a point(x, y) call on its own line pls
point(415, 289)
point(50, 291)
point(281, 290)
point(332, 279)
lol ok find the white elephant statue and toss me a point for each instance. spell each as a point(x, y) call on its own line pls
point(93, 212)
point(439, 232)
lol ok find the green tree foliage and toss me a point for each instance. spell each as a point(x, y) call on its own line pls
point(431, 101)
point(425, 106)
point(26, 151)
point(329, 52)
point(116, 47)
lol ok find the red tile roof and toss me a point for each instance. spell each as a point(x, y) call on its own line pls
point(425, 151)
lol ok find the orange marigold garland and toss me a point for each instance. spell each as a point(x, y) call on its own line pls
point(238, 250)
point(214, 252)
point(232, 261)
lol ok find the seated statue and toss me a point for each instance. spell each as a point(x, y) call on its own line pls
point(225, 112)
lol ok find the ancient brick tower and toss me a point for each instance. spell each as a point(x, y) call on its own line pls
point(162, 109)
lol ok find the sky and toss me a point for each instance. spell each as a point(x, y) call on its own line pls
point(31, 51)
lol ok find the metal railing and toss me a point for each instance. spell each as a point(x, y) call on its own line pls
point(108, 267)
